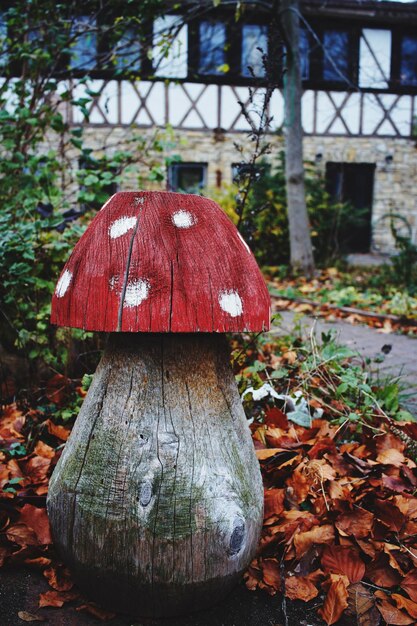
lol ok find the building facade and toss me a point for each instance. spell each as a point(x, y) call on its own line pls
point(359, 104)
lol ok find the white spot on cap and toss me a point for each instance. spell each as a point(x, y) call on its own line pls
point(231, 303)
point(136, 292)
point(244, 243)
point(121, 226)
point(63, 284)
point(183, 219)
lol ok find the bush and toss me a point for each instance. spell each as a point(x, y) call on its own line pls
point(265, 223)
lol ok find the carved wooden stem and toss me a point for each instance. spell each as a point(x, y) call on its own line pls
point(156, 502)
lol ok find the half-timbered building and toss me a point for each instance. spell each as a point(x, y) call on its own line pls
point(190, 68)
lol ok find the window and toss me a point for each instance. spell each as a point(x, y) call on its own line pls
point(254, 47)
point(170, 49)
point(375, 58)
point(408, 67)
point(304, 54)
point(127, 52)
point(3, 41)
point(325, 56)
point(212, 48)
point(83, 34)
point(336, 55)
point(187, 177)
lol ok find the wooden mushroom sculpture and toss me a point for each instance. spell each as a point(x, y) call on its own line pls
point(156, 502)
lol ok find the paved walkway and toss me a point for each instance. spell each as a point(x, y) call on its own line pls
point(401, 360)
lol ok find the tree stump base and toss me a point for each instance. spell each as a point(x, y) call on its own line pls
point(156, 503)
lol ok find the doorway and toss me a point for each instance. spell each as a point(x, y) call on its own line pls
point(353, 183)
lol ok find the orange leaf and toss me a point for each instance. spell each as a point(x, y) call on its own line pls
point(36, 519)
point(61, 432)
point(409, 584)
point(22, 535)
point(36, 469)
point(343, 560)
point(273, 502)
point(300, 588)
point(336, 599)
point(271, 573)
point(42, 449)
point(319, 534)
point(57, 598)
point(59, 578)
point(58, 388)
point(357, 523)
point(391, 457)
point(404, 603)
point(392, 615)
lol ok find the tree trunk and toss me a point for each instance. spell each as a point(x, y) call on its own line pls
point(156, 503)
point(299, 227)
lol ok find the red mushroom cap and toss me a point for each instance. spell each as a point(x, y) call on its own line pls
point(161, 262)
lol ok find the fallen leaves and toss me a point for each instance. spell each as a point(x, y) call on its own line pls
point(340, 515)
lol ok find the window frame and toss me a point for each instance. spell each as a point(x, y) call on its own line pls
point(174, 167)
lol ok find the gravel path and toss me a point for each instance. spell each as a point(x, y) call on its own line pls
point(400, 361)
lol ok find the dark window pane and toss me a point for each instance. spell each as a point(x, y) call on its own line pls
point(127, 51)
point(304, 54)
point(84, 43)
point(408, 72)
point(336, 55)
point(254, 46)
point(212, 48)
point(352, 184)
point(189, 177)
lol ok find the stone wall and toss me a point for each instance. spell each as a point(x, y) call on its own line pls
point(395, 160)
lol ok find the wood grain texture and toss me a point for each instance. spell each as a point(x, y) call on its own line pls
point(156, 503)
point(161, 262)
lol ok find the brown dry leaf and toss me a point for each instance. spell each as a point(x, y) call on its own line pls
point(271, 573)
point(61, 432)
point(404, 603)
point(300, 588)
point(40, 562)
point(25, 616)
point(273, 503)
point(389, 514)
point(11, 423)
point(319, 534)
point(300, 484)
point(357, 523)
point(391, 457)
point(252, 576)
point(336, 599)
point(22, 535)
point(57, 389)
point(343, 560)
point(381, 573)
point(42, 449)
point(37, 468)
point(290, 356)
point(37, 520)
point(59, 578)
point(392, 615)
point(96, 611)
point(361, 605)
point(409, 585)
point(57, 598)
